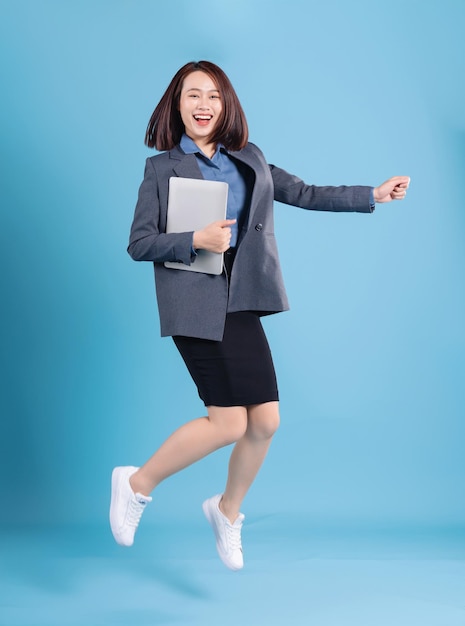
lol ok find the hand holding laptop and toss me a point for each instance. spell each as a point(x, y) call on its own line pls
point(215, 237)
point(199, 206)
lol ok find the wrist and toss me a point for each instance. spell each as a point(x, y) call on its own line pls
point(196, 240)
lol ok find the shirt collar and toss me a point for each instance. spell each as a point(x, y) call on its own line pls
point(188, 146)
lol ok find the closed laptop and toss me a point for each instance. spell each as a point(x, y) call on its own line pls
point(193, 204)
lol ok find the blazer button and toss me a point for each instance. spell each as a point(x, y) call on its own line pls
point(258, 227)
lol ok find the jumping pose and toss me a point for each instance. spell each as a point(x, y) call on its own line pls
point(201, 130)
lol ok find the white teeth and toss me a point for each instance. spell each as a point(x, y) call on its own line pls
point(202, 117)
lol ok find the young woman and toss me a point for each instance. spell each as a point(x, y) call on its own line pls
point(201, 129)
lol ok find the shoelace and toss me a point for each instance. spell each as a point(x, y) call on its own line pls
point(234, 536)
point(134, 513)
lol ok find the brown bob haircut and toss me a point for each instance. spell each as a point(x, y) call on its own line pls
point(165, 129)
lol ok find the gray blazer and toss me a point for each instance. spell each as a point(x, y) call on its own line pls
point(195, 304)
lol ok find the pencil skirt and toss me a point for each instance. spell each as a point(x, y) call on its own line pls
point(237, 371)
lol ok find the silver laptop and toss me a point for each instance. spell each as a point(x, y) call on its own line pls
point(193, 204)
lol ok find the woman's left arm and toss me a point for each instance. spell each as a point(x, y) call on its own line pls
point(292, 190)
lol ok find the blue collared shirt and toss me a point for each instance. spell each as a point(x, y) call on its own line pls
point(221, 167)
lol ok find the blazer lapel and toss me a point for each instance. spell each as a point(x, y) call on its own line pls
point(185, 165)
point(250, 161)
point(245, 157)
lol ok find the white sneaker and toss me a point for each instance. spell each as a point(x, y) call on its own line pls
point(126, 507)
point(228, 536)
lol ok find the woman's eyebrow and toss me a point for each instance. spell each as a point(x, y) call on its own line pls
point(199, 89)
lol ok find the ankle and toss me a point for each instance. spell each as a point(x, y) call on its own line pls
point(228, 511)
point(138, 485)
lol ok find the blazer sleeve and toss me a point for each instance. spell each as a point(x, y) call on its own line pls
point(290, 189)
point(147, 242)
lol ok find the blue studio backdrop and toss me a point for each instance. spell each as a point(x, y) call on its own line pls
point(371, 357)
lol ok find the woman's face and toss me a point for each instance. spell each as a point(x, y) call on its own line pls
point(200, 107)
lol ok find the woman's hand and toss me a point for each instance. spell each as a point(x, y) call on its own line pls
point(393, 189)
point(215, 237)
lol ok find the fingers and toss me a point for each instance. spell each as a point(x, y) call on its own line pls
point(399, 181)
point(223, 244)
point(224, 223)
point(226, 238)
point(401, 184)
point(394, 188)
point(215, 237)
point(400, 190)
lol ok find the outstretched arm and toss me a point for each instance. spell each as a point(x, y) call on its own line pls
point(292, 190)
point(393, 189)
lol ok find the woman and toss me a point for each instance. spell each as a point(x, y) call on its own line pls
point(214, 320)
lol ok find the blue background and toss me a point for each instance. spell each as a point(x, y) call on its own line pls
point(358, 515)
point(370, 359)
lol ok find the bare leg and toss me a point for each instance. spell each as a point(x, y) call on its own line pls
point(248, 455)
point(189, 443)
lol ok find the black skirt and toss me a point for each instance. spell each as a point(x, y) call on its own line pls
point(237, 371)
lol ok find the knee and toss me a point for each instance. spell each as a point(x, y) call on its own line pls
point(263, 422)
point(231, 423)
point(234, 431)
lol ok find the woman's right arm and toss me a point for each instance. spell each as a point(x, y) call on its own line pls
point(146, 242)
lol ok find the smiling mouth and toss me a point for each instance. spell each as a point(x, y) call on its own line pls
point(203, 118)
